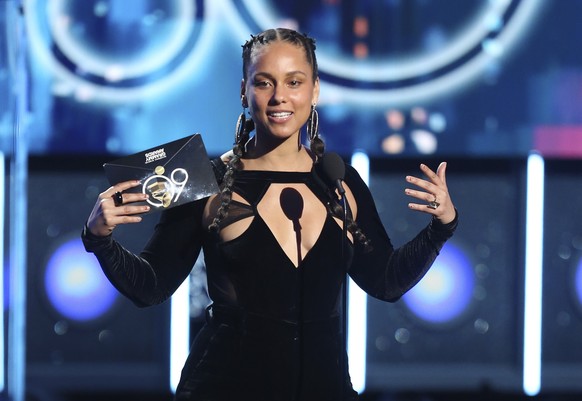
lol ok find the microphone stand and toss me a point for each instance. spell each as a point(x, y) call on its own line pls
point(343, 364)
point(334, 169)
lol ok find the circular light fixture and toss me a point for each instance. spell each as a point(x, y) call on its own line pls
point(445, 293)
point(75, 284)
point(99, 52)
point(414, 78)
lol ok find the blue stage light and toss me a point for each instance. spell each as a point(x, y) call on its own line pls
point(446, 291)
point(578, 283)
point(75, 284)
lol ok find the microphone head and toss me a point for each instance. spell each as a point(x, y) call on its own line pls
point(333, 167)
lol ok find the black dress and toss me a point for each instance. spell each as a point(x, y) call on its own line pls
point(273, 330)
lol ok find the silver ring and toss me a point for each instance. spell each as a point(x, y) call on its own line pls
point(433, 205)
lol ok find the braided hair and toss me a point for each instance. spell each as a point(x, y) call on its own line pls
point(316, 144)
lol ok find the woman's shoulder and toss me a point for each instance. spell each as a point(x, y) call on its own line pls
point(355, 182)
point(352, 174)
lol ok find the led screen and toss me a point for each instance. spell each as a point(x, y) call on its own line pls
point(398, 78)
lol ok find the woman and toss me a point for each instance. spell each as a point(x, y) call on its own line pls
point(272, 242)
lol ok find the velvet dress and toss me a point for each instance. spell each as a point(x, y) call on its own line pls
point(273, 331)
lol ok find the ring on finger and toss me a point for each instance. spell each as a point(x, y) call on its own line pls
point(117, 198)
point(433, 204)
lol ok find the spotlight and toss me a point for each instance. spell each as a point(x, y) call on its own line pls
point(75, 285)
point(578, 284)
point(446, 291)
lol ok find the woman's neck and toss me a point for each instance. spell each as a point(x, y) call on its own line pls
point(285, 156)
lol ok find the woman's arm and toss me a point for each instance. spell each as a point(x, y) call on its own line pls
point(166, 261)
point(385, 272)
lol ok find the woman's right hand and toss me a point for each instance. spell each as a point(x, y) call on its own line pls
point(106, 215)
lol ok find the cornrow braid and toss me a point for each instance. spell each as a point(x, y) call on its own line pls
point(358, 234)
point(284, 35)
point(338, 211)
point(316, 144)
point(234, 165)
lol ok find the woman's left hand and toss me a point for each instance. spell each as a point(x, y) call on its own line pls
point(434, 192)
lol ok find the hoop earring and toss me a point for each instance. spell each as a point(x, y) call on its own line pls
point(313, 125)
point(240, 128)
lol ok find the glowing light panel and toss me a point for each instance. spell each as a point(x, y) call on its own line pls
point(532, 338)
point(75, 284)
point(446, 291)
point(3, 306)
point(179, 332)
point(578, 283)
point(357, 305)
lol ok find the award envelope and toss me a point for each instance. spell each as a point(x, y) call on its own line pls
point(171, 174)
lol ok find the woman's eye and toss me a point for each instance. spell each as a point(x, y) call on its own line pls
point(294, 83)
point(262, 83)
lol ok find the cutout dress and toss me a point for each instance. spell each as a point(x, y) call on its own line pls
point(273, 331)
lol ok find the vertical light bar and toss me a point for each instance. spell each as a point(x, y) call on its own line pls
point(357, 304)
point(179, 332)
point(16, 331)
point(2, 306)
point(532, 338)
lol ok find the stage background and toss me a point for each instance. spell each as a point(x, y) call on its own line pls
point(478, 83)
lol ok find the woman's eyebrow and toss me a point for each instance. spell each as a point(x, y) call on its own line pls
point(270, 76)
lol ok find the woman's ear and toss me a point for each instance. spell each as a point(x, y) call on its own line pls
point(315, 91)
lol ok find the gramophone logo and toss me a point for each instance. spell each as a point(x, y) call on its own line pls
point(164, 190)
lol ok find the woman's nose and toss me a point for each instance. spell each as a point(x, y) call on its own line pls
point(279, 94)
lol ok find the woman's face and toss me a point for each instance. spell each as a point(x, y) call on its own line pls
point(280, 89)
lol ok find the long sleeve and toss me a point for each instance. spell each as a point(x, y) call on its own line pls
point(385, 272)
point(165, 262)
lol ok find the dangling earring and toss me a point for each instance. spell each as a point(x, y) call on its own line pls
point(313, 125)
point(243, 125)
point(240, 129)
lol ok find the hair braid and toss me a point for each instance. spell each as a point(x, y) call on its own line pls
point(338, 211)
point(234, 165)
point(284, 35)
point(317, 146)
point(359, 234)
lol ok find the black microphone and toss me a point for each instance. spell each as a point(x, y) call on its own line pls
point(334, 169)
